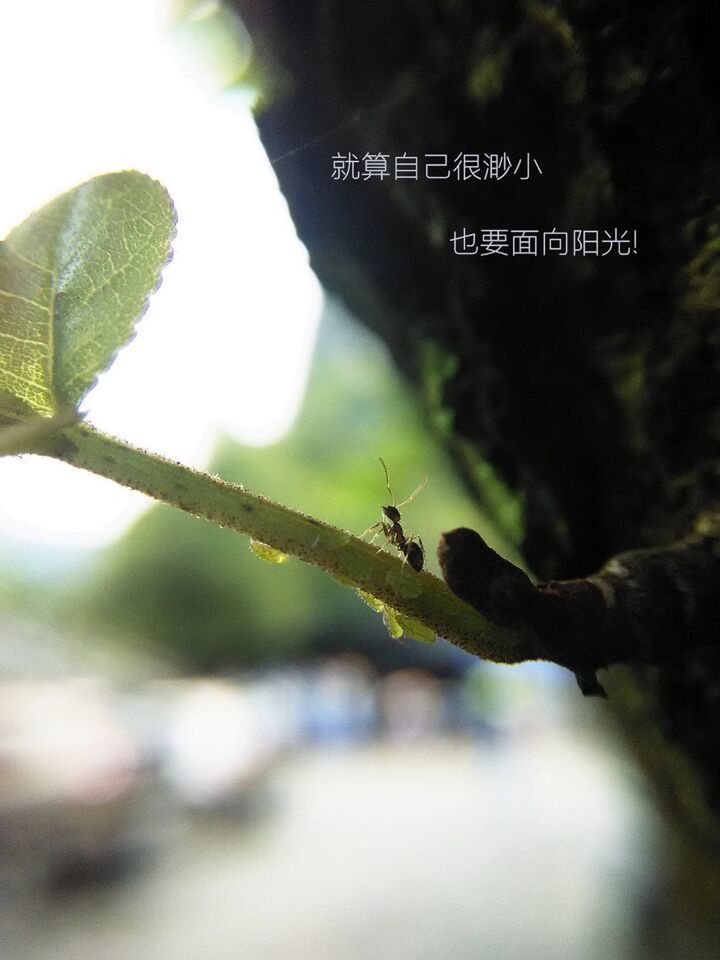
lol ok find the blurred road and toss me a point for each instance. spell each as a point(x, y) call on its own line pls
point(448, 849)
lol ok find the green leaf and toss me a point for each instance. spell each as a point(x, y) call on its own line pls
point(268, 553)
point(399, 624)
point(390, 619)
point(377, 605)
point(415, 628)
point(75, 278)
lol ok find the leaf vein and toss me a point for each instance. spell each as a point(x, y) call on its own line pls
point(32, 303)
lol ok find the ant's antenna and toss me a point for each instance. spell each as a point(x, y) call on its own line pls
point(413, 494)
point(392, 495)
point(387, 481)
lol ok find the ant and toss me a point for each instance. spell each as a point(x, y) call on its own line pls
point(410, 547)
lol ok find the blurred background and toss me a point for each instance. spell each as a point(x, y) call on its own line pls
point(202, 754)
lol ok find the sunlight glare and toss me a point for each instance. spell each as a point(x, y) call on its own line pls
point(226, 344)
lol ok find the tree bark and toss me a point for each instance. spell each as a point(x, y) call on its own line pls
point(584, 389)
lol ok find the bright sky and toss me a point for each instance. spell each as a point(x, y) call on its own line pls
point(93, 87)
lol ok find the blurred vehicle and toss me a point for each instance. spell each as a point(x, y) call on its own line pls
point(411, 703)
point(69, 780)
point(220, 743)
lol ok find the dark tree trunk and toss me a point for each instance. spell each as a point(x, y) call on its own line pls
point(586, 388)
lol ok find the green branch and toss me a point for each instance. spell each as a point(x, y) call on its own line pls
point(75, 277)
point(347, 558)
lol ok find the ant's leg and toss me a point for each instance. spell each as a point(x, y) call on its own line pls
point(374, 536)
point(373, 526)
point(387, 531)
